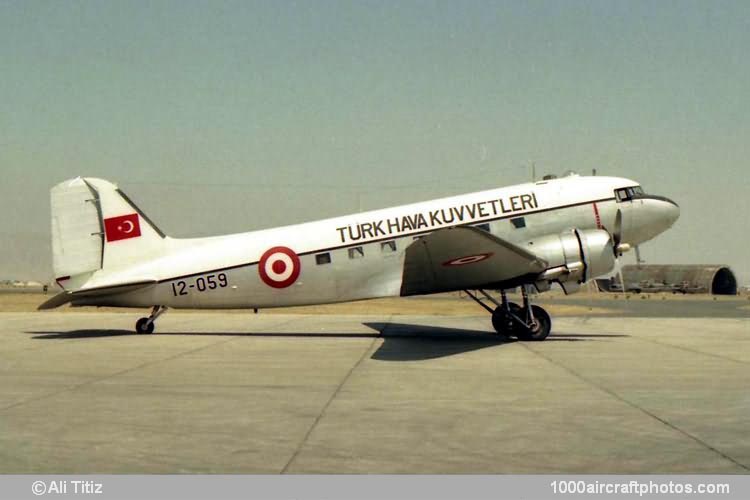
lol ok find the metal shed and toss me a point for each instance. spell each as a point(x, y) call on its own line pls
point(713, 279)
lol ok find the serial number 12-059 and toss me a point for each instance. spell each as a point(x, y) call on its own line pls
point(210, 282)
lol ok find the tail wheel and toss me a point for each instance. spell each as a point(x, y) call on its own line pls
point(143, 326)
point(540, 327)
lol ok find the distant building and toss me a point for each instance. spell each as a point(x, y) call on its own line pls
point(713, 279)
point(20, 284)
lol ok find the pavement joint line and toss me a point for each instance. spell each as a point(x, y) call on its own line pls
point(694, 351)
point(635, 406)
point(683, 348)
point(112, 375)
point(333, 396)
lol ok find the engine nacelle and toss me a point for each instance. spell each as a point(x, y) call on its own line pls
point(574, 257)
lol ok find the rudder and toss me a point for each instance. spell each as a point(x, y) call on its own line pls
point(77, 245)
point(96, 226)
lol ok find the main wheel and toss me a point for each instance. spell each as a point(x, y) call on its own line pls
point(502, 322)
point(539, 329)
point(143, 326)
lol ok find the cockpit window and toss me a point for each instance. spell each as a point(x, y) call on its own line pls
point(627, 194)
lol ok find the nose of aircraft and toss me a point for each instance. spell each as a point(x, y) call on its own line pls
point(670, 212)
point(651, 216)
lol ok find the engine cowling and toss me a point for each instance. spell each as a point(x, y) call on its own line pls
point(574, 256)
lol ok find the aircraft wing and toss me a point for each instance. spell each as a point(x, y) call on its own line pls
point(65, 297)
point(461, 258)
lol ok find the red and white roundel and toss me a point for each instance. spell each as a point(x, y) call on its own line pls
point(469, 259)
point(279, 267)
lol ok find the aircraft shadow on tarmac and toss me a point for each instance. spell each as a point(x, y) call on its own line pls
point(78, 334)
point(401, 342)
point(409, 342)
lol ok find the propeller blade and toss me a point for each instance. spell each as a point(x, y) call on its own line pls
point(617, 245)
point(617, 234)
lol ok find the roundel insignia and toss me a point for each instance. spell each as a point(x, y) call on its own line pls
point(469, 259)
point(279, 267)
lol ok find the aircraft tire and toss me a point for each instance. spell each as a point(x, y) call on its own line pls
point(504, 324)
point(143, 326)
point(541, 329)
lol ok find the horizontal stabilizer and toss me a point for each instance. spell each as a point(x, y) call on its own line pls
point(65, 297)
point(56, 301)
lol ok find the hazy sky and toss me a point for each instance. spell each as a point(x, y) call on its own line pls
point(230, 116)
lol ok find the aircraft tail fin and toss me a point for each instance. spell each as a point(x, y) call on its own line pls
point(96, 226)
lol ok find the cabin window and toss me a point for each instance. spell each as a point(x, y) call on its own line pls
point(356, 253)
point(518, 222)
point(388, 246)
point(483, 227)
point(323, 258)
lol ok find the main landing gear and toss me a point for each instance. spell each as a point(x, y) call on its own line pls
point(527, 322)
point(146, 325)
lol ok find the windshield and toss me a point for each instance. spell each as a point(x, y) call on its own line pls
point(628, 193)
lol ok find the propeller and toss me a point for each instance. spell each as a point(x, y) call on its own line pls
point(617, 233)
point(617, 244)
point(619, 247)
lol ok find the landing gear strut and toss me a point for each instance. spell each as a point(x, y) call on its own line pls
point(527, 322)
point(146, 325)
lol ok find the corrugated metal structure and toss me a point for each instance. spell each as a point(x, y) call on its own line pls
point(713, 279)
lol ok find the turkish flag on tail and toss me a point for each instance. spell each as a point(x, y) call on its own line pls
point(122, 227)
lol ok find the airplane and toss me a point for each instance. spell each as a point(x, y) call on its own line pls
point(107, 252)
